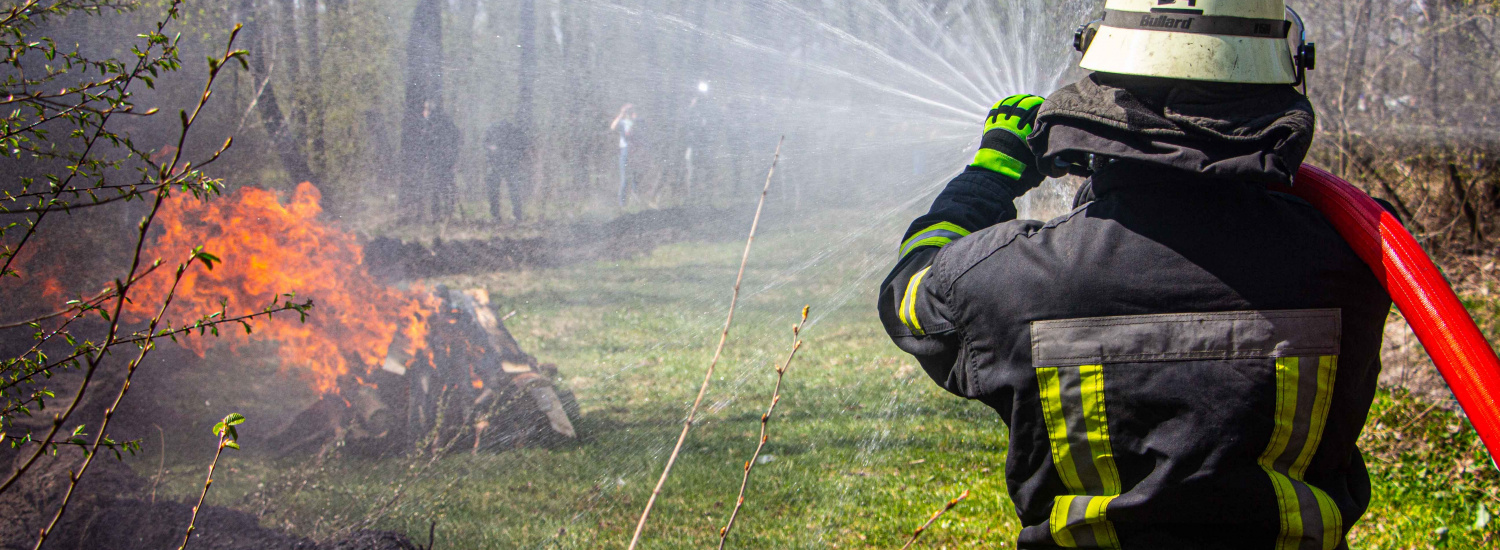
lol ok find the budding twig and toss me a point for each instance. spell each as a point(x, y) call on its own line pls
point(765, 418)
point(934, 517)
point(723, 337)
point(228, 439)
point(121, 296)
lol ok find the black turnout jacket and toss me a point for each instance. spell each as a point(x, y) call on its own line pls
point(1185, 361)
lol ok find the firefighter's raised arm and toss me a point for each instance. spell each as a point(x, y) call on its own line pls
point(912, 300)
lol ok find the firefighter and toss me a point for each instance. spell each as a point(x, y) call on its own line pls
point(1186, 359)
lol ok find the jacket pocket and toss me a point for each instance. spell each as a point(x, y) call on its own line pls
point(1167, 399)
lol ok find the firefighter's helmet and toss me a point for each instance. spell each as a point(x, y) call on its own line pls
point(1243, 41)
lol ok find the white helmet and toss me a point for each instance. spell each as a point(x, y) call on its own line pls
point(1243, 41)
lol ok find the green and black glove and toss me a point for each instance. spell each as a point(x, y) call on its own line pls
point(1003, 149)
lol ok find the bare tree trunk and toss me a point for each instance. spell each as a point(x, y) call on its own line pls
point(424, 87)
point(1435, 20)
point(1351, 85)
point(581, 91)
point(289, 51)
point(525, 101)
point(315, 84)
point(284, 139)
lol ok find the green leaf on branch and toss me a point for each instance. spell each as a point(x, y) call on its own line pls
point(228, 436)
point(208, 259)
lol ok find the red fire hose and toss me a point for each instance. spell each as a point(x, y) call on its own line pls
point(1442, 324)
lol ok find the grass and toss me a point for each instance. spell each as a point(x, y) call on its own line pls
point(863, 448)
point(1434, 485)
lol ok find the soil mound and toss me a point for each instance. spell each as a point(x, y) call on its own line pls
point(627, 236)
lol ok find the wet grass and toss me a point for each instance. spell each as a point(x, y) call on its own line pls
point(863, 448)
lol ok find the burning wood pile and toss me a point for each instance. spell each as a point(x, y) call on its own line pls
point(470, 387)
point(397, 369)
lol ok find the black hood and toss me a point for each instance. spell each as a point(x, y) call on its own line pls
point(1241, 132)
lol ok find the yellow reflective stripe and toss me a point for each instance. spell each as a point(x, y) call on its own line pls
point(1290, 516)
point(1104, 531)
point(906, 299)
point(1077, 420)
point(1333, 528)
point(1090, 529)
point(1059, 522)
point(1321, 401)
point(1290, 513)
point(908, 308)
point(1286, 459)
point(1097, 422)
point(1057, 429)
point(940, 229)
point(1286, 410)
point(1000, 163)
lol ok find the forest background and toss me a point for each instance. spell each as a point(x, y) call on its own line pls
point(349, 95)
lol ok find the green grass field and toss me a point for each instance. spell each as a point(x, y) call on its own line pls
point(863, 447)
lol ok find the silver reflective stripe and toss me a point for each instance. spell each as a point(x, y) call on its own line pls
point(1185, 337)
point(921, 239)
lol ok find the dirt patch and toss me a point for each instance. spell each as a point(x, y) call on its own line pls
point(102, 515)
point(1404, 363)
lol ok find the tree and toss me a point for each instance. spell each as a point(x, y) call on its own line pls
point(66, 155)
point(526, 100)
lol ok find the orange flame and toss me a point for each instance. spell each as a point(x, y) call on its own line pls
point(33, 278)
point(268, 248)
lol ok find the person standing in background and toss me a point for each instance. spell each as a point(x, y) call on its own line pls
point(624, 123)
point(504, 148)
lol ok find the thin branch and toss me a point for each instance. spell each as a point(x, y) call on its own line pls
point(8, 197)
point(16, 12)
point(764, 419)
point(161, 465)
point(193, 520)
point(73, 171)
point(227, 439)
point(934, 517)
point(81, 306)
point(122, 296)
point(132, 191)
point(718, 352)
point(54, 205)
point(200, 326)
point(130, 369)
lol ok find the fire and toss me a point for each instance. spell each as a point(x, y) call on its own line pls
point(34, 287)
point(268, 248)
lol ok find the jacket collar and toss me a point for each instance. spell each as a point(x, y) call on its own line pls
point(1246, 133)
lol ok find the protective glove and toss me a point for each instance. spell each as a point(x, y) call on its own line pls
point(1003, 148)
